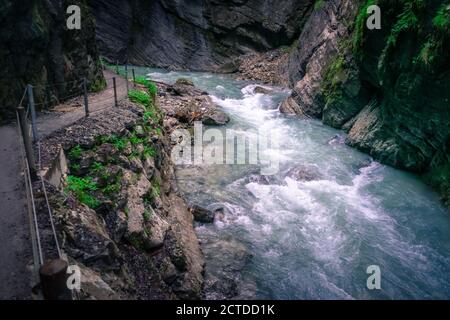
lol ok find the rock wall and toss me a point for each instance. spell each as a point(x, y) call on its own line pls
point(195, 34)
point(36, 48)
point(388, 87)
point(119, 216)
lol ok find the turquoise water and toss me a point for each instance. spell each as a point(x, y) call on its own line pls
point(288, 239)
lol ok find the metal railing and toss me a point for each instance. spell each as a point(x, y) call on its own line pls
point(50, 274)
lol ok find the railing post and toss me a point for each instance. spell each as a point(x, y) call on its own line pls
point(53, 275)
point(134, 78)
point(126, 77)
point(27, 141)
point(86, 101)
point(32, 111)
point(115, 91)
point(117, 66)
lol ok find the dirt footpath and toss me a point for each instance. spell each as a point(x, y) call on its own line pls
point(15, 243)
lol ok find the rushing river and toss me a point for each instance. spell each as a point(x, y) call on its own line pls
point(313, 238)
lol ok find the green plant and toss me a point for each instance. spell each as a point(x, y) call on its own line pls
point(119, 142)
point(427, 54)
point(149, 151)
point(407, 20)
point(134, 154)
point(98, 85)
point(75, 153)
point(158, 131)
point(333, 76)
point(156, 190)
point(442, 19)
point(151, 87)
point(149, 114)
point(97, 167)
point(319, 5)
point(134, 139)
point(82, 189)
point(360, 24)
point(75, 167)
point(112, 188)
point(140, 97)
point(137, 242)
point(147, 215)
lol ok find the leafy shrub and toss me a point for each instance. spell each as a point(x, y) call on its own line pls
point(97, 167)
point(140, 97)
point(82, 189)
point(119, 142)
point(442, 19)
point(75, 153)
point(151, 87)
point(149, 151)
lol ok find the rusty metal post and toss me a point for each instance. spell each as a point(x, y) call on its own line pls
point(126, 78)
point(86, 101)
point(27, 142)
point(32, 111)
point(134, 78)
point(115, 91)
point(53, 275)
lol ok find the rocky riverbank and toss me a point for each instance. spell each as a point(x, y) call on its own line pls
point(118, 212)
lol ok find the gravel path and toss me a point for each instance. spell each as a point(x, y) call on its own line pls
point(51, 121)
point(15, 248)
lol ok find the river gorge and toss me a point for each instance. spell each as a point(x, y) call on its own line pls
point(352, 118)
point(311, 230)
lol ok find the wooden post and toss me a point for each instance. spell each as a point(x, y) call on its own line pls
point(134, 79)
point(126, 78)
point(27, 141)
point(86, 101)
point(32, 111)
point(53, 275)
point(115, 91)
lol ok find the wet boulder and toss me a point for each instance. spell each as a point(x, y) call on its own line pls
point(262, 90)
point(304, 173)
point(202, 215)
point(215, 117)
point(185, 88)
point(184, 81)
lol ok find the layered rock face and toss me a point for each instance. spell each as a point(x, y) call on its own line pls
point(195, 34)
point(388, 87)
point(36, 48)
point(119, 216)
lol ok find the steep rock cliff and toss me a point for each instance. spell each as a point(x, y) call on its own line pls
point(36, 48)
point(195, 34)
point(388, 87)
